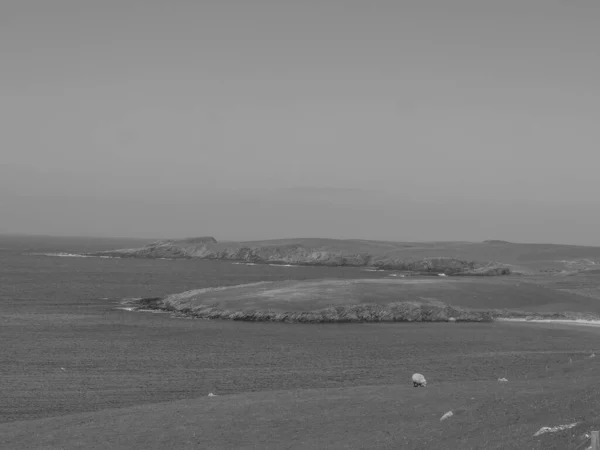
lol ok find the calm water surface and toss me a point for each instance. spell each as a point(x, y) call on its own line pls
point(64, 347)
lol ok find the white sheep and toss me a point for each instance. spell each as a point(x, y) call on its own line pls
point(419, 380)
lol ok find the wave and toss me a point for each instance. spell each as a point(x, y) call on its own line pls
point(134, 309)
point(71, 255)
point(272, 264)
point(62, 255)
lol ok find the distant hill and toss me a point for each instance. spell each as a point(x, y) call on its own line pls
point(452, 258)
point(412, 257)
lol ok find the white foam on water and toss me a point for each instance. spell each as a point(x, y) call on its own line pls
point(134, 309)
point(72, 255)
point(61, 255)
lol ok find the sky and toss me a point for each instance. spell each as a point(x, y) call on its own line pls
point(257, 119)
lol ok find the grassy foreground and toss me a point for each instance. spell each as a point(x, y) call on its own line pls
point(91, 376)
point(487, 415)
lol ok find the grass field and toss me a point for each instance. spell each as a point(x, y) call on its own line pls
point(297, 386)
point(483, 293)
point(384, 299)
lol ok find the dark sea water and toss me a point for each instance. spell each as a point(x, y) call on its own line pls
point(28, 271)
point(65, 347)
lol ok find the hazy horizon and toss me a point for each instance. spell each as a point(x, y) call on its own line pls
point(406, 120)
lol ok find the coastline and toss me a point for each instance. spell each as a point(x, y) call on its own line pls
point(428, 260)
point(407, 312)
point(574, 322)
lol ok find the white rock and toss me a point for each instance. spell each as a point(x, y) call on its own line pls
point(447, 415)
point(502, 380)
point(210, 394)
point(545, 430)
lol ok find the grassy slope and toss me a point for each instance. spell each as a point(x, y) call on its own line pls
point(388, 299)
point(487, 415)
point(313, 295)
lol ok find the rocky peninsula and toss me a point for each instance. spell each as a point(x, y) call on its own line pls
point(318, 252)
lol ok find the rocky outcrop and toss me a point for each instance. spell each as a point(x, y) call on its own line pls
point(297, 254)
point(394, 312)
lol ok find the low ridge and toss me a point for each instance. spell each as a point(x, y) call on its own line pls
point(324, 252)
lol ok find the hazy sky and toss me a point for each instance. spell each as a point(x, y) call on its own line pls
point(407, 120)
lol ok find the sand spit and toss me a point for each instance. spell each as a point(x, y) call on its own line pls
point(580, 322)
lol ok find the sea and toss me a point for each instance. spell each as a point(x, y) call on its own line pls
point(50, 269)
point(67, 346)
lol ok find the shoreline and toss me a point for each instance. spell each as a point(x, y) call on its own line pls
point(405, 312)
point(575, 322)
point(358, 313)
